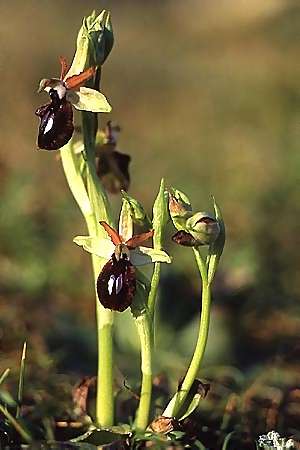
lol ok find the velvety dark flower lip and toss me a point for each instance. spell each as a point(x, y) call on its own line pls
point(56, 126)
point(56, 118)
point(116, 284)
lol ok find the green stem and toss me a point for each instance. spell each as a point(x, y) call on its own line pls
point(98, 198)
point(143, 323)
point(153, 289)
point(104, 317)
point(177, 401)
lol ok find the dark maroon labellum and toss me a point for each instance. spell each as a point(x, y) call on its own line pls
point(184, 238)
point(56, 126)
point(116, 284)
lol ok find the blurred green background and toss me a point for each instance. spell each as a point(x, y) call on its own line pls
point(207, 95)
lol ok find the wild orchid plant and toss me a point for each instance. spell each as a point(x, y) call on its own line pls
point(116, 251)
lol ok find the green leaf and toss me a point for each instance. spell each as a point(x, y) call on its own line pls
point(199, 445)
point(87, 99)
point(98, 436)
point(4, 375)
point(192, 406)
point(7, 399)
point(160, 216)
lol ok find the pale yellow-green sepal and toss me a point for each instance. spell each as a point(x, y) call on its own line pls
point(103, 248)
point(87, 99)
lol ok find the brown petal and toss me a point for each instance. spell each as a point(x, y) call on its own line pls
point(80, 394)
point(75, 81)
point(64, 67)
point(184, 238)
point(113, 234)
point(138, 239)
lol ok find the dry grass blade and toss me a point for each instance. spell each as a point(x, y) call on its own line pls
point(4, 375)
point(21, 380)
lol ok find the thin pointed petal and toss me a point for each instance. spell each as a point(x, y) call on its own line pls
point(145, 255)
point(138, 239)
point(64, 67)
point(75, 81)
point(113, 234)
point(92, 244)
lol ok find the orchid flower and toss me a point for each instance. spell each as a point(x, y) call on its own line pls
point(116, 284)
point(56, 126)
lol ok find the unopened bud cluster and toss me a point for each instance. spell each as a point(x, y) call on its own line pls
point(193, 229)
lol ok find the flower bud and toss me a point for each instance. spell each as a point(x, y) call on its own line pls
point(94, 42)
point(203, 227)
point(138, 213)
point(180, 208)
point(104, 40)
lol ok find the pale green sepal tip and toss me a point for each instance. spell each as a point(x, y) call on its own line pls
point(138, 213)
point(146, 255)
point(87, 99)
point(103, 248)
point(180, 208)
point(160, 215)
point(125, 221)
point(181, 196)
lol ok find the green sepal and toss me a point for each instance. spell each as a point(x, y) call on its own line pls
point(125, 221)
point(216, 248)
point(180, 208)
point(103, 248)
point(87, 99)
point(160, 216)
point(202, 231)
point(147, 255)
point(138, 213)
